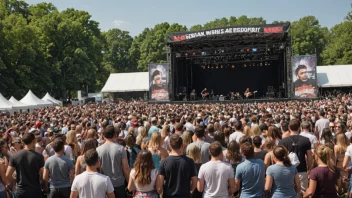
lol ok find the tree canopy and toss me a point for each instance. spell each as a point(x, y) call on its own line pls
point(59, 52)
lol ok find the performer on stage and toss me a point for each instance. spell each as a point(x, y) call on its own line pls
point(204, 93)
point(247, 93)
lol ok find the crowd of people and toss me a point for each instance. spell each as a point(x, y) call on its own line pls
point(135, 149)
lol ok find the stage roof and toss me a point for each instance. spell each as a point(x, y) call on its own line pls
point(127, 82)
point(334, 76)
point(254, 30)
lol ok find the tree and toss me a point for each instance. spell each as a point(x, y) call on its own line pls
point(196, 28)
point(339, 49)
point(309, 37)
point(152, 44)
point(116, 52)
point(73, 46)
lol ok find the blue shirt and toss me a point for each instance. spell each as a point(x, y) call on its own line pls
point(252, 174)
point(152, 130)
point(283, 181)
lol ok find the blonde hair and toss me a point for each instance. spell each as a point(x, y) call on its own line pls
point(142, 132)
point(341, 143)
point(255, 131)
point(155, 141)
point(72, 141)
point(324, 154)
point(194, 153)
point(247, 130)
point(187, 137)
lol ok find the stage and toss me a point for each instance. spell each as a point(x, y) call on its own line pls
point(230, 60)
point(252, 100)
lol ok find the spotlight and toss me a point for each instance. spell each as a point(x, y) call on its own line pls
point(208, 67)
point(248, 50)
point(194, 53)
point(245, 65)
point(233, 66)
point(266, 64)
point(254, 49)
point(217, 67)
point(186, 54)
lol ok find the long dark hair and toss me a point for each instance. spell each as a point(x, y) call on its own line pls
point(281, 154)
point(88, 144)
point(143, 166)
point(233, 152)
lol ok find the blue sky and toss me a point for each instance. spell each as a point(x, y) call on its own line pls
point(135, 15)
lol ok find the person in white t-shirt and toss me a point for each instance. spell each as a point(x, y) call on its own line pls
point(91, 183)
point(238, 133)
point(305, 128)
point(216, 177)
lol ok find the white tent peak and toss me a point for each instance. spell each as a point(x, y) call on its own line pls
point(3, 100)
point(49, 98)
point(4, 103)
point(31, 99)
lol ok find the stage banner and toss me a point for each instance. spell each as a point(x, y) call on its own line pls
point(266, 29)
point(158, 78)
point(304, 77)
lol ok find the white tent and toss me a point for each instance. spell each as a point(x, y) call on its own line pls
point(19, 105)
point(334, 76)
point(31, 99)
point(127, 82)
point(5, 104)
point(49, 98)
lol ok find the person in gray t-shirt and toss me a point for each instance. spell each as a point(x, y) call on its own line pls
point(61, 170)
point(114, 161)
point(204, 146)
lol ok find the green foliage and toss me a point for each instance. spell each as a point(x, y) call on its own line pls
point(309, 37)
point(338, 50)
point(150, 45)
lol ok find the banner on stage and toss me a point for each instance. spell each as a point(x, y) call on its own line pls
point(265, 29)
point(158, 79)
point(304, 77)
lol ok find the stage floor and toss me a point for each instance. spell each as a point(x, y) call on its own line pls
point(252, 100)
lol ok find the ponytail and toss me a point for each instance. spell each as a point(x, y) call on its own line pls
point(324, 154)
point(287, 161)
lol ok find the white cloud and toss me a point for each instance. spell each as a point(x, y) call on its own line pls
point(119, 23)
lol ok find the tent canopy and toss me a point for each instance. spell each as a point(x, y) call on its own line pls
point(334, 76)
point(4, 103)
point(127, 82)
point(18, 104)
point(31, 99)
point(49, 98)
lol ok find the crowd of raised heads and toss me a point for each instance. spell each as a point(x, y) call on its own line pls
point(135, 149)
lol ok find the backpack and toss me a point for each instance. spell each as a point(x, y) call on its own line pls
point(292, 153)
point(132, 153)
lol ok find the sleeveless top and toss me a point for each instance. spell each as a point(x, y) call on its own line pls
point(156, 158)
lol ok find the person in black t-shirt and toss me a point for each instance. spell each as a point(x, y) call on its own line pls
point(178, 172)
point(29, 166)
point(302, 147)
